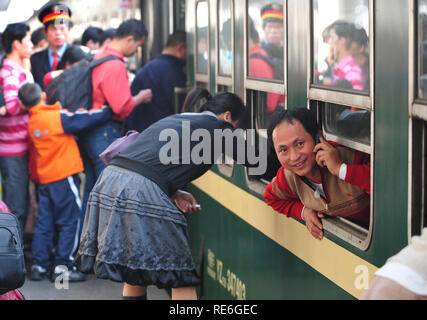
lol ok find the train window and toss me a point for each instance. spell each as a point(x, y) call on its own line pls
point(257, 102)
point(422, 52)
point(225, 163)
point(419, 177)
point(347, 122)
point(265, 40)
point(341, 56)
point(225, 37)
point(202, 43)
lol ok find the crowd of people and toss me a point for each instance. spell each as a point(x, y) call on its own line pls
point(42, 142)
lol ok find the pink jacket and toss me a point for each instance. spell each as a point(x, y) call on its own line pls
point(13, 126)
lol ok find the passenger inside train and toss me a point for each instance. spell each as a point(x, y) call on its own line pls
point(317, 178)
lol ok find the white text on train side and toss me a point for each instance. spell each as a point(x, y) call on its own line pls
point(224, 141)
point(225, 277)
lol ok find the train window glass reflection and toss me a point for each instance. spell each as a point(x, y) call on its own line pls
point(422, 53)
point(348, 122)
point(265, 39)
point(225, 60)
point(341, 44)
point(202, 37)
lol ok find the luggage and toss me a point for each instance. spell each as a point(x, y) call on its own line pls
point(12, 264)
point(73, 88)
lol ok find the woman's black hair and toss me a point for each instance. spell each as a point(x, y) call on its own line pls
point(306, 117)
point(72, 55)
point(13, 31)
point(218, 104)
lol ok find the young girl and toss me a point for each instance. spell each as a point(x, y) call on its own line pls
point(135, 230)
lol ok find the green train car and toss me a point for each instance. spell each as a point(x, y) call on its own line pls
point(243, 248)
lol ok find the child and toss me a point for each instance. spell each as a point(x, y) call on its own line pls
point(54, 163)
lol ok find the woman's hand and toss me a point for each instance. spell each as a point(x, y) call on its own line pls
point(327, 155)
point(185, 202)
point(313, 223)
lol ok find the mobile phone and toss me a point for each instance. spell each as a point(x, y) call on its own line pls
point(317, 138)
point(317, 141)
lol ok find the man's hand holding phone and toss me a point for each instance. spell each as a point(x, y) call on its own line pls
point(327, 155)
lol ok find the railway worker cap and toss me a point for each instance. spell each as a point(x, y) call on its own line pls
point(272, 12)
point(55, 13)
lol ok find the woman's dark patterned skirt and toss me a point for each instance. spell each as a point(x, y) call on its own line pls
point(134, 233)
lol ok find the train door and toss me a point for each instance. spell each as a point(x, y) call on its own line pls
point(418, 118)
point(340, 87)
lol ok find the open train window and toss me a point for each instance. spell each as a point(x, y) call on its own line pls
point(418, 114)
point(202, 43)
point(340, 88)
point(257, 101)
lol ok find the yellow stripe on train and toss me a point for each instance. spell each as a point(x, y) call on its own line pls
point(342, 267)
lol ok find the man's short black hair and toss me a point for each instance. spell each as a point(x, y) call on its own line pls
point(306, 117)
point(30, 94)
point(13, 31)
point(37, 36)
point(107, 34)
point(176, 38)
point(91, 33)
point(131, 27)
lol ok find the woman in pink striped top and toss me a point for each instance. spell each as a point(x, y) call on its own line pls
point(14, 121)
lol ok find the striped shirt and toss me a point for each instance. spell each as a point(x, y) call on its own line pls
point(349, 70)
point(14, 125)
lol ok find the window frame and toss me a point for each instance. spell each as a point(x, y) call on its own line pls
point(252, 85)
point(317, 94)
point(349, 98)
point(223, 80)
point(259, 84)
point(359, 99)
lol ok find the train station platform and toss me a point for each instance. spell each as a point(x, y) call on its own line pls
point(91, 289)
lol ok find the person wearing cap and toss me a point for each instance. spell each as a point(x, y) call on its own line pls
point(272, 24)
point(56, 19)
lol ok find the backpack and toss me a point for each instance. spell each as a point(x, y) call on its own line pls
point(73, 88)
point(275, 64)
point(12, 263)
